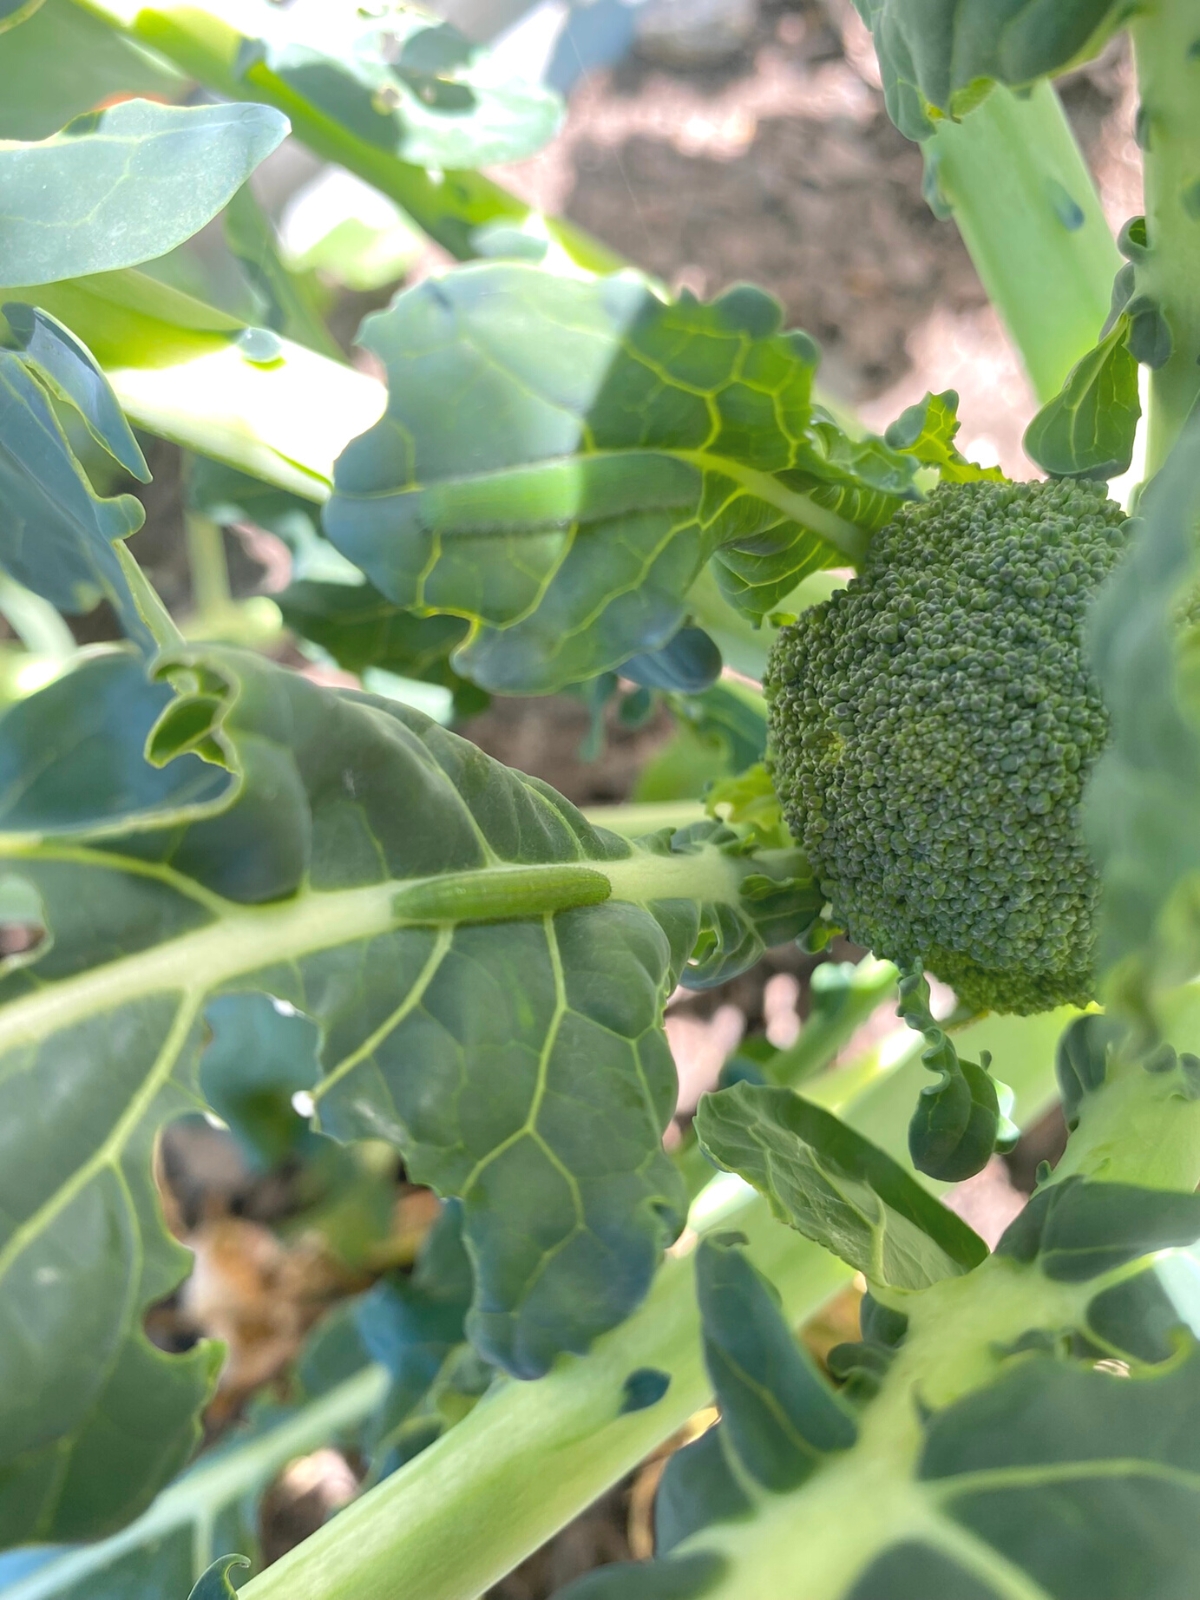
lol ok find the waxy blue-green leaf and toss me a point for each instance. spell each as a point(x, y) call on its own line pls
point(121, 186)
point(939, 56)
point(835, 1187)
point(1140, 809)
point(699, 1486)
point(1088, 429)
point(1076, 1230)
point(401, 81)
point(62, 61)
point(56, 532)
point(1077, 1485)
point(290, 305)
point(360, 628)
point(781, 1417)
point(559, 459)
point(486, 973)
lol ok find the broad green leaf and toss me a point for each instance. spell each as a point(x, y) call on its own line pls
point(1088, 429)
point(835, 1187)
point(601, 446)
point(939, 56)
point(780, 1415)
point(1084, 1484)
point(124, 185)
point(1140, 809)
point(62, 61)
point(13, 12)
point(486, 973)
point(400, 80)
point(56, 532)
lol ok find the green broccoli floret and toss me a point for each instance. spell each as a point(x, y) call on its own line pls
point(931, 729)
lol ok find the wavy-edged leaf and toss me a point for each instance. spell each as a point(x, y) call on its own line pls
point(57, 532)
point(124, 185)
point(837, 1188)
point(600, 447)
point(1140, 808)
point(927, 431)
point(1088, 429)
point(486, 972)
point(400, 80)
point(781, 1417)
point(938, 56)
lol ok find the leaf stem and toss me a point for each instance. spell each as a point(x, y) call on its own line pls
point(1166, 39)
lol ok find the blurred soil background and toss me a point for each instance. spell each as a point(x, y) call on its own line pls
point(775, 165)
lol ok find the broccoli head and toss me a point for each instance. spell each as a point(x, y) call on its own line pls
point(931, 729)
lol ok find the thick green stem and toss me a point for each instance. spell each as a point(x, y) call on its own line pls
point(1166, 37)
point(1029, 215)
point(450, 207)
point(532, 1456)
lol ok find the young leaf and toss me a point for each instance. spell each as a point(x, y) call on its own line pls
point(128, 184)
point(215, 1583)
point(1140, 809)
point(617, 444)
point(927, 431)
point(48, 378)
point(961, 1119)
point(780, 1415)
point(835, 1187)
point(1088, 429)
point(402, 82)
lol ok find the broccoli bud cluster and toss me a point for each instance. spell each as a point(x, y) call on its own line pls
point(931, 729)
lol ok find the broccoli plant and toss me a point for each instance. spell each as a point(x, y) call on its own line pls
point(327, 918)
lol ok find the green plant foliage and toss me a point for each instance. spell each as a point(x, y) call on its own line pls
point(778, 1413)
point(1070, 1478)
point(458, 937)
point(1141, 808)
point(291, 307)
point(129, 183)
point(61, 62)
point(932, 726)
point(834, 1186)
point(939, 58)
point(963, 1117)
point(927, 432)
point(51, 393)
point(1088, 429)
point(401, 81)
point(1078, 1230)
point(699, 1486)
point(617, 443)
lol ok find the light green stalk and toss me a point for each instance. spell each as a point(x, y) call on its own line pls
point(1028, 212)
point(530, 1457)
point(1166, 38)
point(205, 42)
